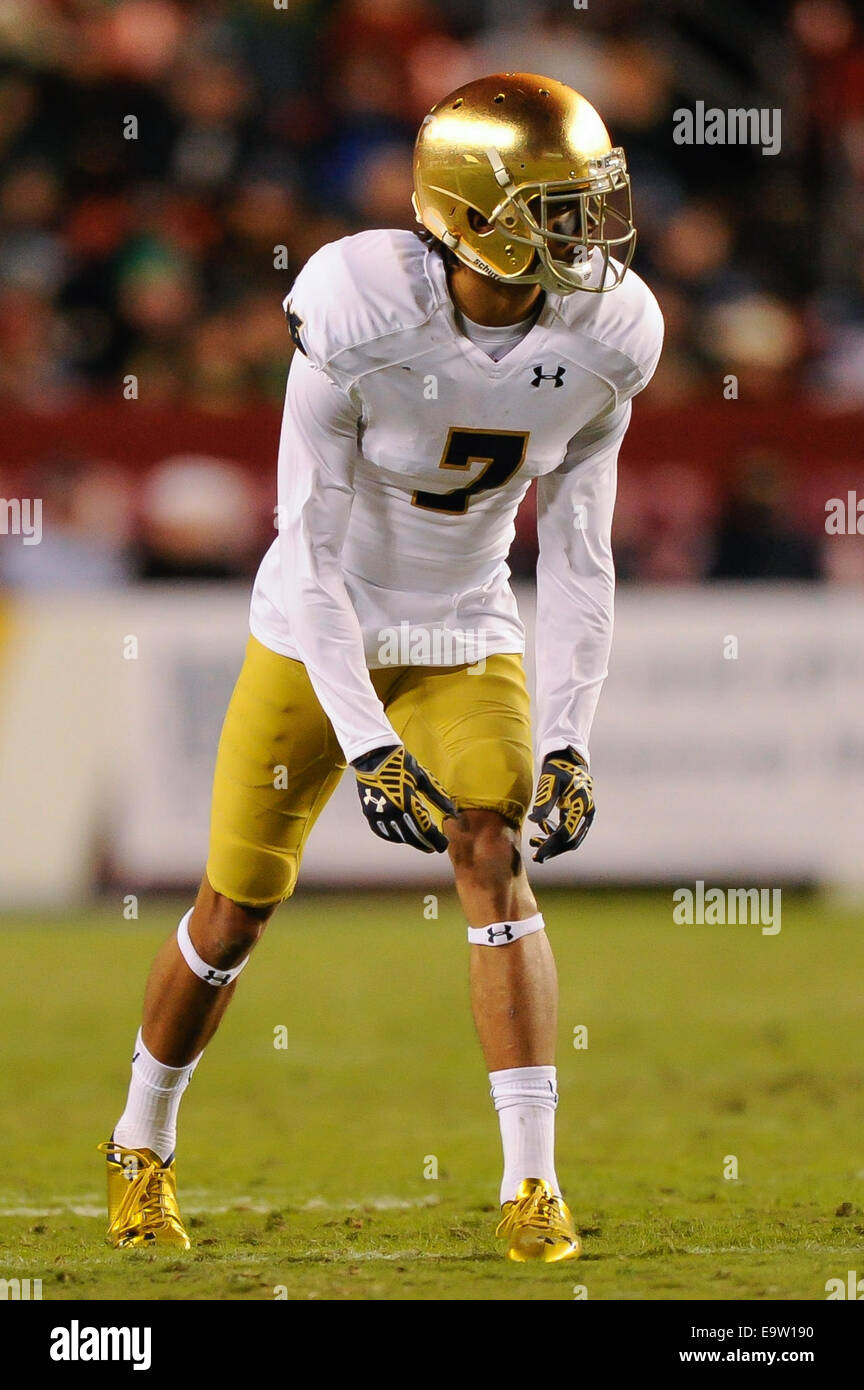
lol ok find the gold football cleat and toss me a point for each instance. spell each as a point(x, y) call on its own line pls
point(538, 1225)
point(142, 1199)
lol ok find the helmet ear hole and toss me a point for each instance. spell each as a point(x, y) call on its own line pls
point(477, 222)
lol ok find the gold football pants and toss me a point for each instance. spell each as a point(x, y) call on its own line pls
point(278, 760)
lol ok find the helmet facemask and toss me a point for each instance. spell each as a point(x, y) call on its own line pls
point(568, 223)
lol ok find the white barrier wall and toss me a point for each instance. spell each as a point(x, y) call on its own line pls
point(728, 746)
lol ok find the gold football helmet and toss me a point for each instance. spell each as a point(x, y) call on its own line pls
point(517, 175)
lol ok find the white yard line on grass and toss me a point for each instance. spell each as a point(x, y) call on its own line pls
point(90, 1205)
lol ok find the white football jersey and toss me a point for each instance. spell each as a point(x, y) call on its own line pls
point(404, 455)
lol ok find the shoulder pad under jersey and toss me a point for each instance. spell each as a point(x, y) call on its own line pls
point(625, 327)
point(356, 297)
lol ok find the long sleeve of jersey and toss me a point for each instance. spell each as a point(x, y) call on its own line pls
point(317, 450)
point(576, 583)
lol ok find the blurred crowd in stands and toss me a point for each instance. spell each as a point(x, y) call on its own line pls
point(162, 246)
point(203, 518)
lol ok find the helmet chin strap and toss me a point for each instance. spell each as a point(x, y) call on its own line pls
point(546, 276)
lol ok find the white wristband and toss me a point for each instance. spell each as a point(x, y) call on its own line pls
point(208, 973)
point(502, 933)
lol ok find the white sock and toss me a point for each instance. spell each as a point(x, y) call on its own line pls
point(526, 1098)
point(155, 1091)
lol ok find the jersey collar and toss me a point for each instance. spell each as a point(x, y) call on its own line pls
point(436, 274)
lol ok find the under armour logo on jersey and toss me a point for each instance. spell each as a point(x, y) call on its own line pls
point(213, 979)
point(505, 933)
point(556, 376)
point(370, 799)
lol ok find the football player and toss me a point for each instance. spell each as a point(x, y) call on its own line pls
point(436, 373)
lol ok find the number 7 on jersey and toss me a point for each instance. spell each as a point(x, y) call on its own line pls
point(502, 451)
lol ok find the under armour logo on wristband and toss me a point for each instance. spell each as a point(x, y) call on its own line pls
point(505, 932)
point(213, 979)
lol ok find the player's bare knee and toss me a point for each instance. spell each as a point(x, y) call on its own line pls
point(224, 932)
point(228, 940)
point(484, 847)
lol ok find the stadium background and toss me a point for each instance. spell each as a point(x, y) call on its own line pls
point(729, 741)
point(142, 361)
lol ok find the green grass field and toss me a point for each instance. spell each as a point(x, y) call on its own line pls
point(302, 1168)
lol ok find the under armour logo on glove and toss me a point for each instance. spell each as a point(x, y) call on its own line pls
point(394, 790)
point(564, 786)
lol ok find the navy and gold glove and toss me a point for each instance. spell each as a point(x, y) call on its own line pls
point(391, 784)
point(566, 787)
